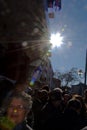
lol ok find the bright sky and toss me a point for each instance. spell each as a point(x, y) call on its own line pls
point(71, 23)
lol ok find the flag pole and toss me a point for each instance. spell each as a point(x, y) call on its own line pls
point(85, 68)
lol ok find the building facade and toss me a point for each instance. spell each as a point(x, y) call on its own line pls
point(24, 37)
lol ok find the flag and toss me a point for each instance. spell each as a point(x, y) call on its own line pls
point(50, 3)
point(57, 4)
point(36, 75)
point(50, 8)
point(54, 4)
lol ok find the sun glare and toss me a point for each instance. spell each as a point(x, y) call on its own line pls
point(56, 40)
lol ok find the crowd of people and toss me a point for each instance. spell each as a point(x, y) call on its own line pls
point(39, 108)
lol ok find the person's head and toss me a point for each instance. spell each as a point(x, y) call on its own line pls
point(46, 87)
point(56, 96)
point(80, 98)
point(43, 95)
point(66, 97)
point(75, 105)
point(18, 107)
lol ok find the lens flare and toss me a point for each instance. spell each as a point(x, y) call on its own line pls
point(56, 40)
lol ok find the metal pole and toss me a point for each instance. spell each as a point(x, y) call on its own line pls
point(85, 68)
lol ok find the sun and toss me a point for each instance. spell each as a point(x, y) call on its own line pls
point(56, 40)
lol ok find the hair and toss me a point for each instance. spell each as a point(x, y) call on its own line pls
point(74, 103)
point(56, 94)
point(25, 97)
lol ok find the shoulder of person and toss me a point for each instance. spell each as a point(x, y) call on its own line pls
point(23, 126)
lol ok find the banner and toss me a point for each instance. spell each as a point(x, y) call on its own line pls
point(53, 5)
